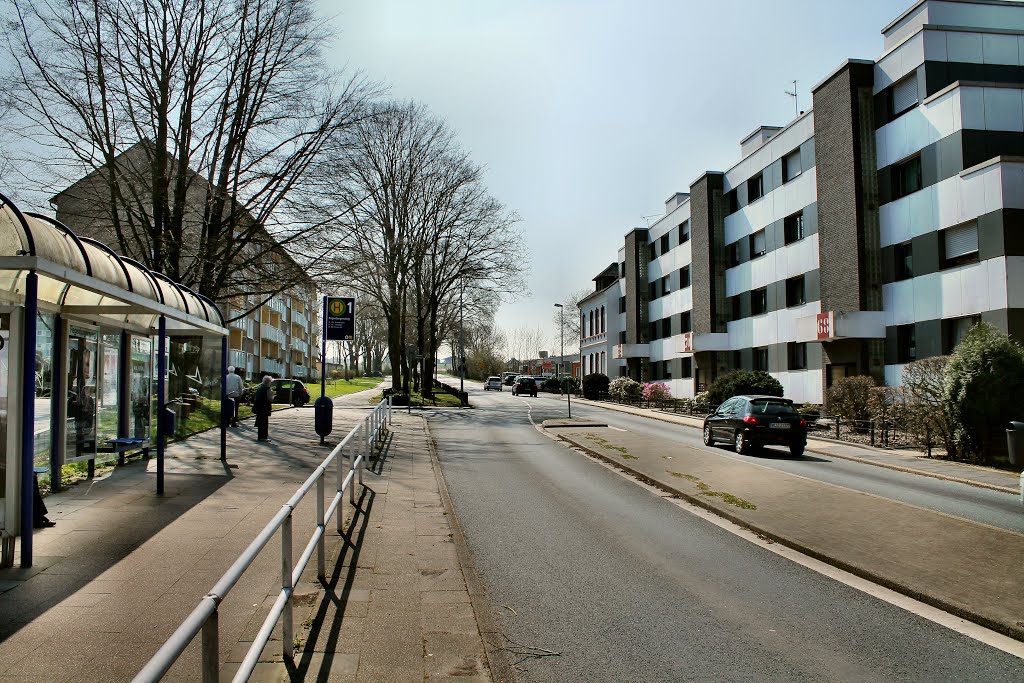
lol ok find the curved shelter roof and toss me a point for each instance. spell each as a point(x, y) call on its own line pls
point(79, 275)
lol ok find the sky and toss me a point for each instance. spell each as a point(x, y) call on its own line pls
point(588, 115)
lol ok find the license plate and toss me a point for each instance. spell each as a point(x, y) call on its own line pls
point(780, 425)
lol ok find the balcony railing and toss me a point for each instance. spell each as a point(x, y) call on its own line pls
point(271, 333)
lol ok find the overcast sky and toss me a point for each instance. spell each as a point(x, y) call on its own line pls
point(589, 114)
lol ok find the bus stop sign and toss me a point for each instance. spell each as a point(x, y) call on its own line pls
point(340, 321)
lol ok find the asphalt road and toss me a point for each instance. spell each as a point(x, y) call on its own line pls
point(994, 508)
point(626, 586)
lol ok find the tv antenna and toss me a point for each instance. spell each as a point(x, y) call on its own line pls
point(796, 99)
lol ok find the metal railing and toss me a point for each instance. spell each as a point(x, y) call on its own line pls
point(204, 618)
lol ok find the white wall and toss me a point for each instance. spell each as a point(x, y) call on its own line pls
point(953, 293)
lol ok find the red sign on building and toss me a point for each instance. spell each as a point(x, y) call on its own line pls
point(826, 323)
point(687, 343)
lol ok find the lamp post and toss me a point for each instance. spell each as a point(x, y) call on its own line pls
point(462, 348)
point(561, 356)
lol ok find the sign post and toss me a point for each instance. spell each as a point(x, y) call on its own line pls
point(339, 324)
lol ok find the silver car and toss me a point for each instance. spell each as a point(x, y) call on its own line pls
point(493, 383)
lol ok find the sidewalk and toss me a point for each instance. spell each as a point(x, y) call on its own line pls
point(123, 567)
point(968, 569)
point(903, 460)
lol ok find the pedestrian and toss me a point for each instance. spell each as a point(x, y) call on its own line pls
point(39, 511)
point(234, 391)
point(262, 405)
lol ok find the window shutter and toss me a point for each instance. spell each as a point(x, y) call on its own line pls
point(792, 165)
point(904, 95)
point(961, 240)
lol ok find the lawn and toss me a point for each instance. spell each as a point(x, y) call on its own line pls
point(342, 387)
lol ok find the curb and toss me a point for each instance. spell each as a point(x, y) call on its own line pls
point(1011, 630)
point(498, 663)
point(843, 456)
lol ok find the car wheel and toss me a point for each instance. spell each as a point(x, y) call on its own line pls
point(709, 438)
point(743, 445)
point(797, 449)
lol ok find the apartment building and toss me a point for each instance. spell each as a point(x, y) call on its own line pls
point(269, 334)
point(871, 231)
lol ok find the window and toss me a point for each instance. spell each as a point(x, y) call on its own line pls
point(652, 251)
point(904, 256)
point(734, 254)
point(591, 324)
point(791, 167)
point(906, 344)
point(622, 304)
point(906, 177)
point(903, 96)
point(797, 352)
point(622, 270)
point(666, 327)
point(737, 308)
point(684, 232)
point(666, 369)
point(687, 367)
point(622, 337)
point(954, 331)
point(960, 245)
point(755, 188)
point(758, 244)
point(652, 290)
point(602, 320)
point(794, 227)
point(664, 244)
point(731, 202)
point(759, 301)
point(761, 359)
point(795, 291)
point(684, 277)
point(684, 322)
point(652, 331)
point(737, 360)
point(665, 287)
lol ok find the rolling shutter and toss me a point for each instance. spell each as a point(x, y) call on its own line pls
point(904, 95)
point(961, 241)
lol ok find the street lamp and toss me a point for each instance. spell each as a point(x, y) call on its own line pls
point(561, 357)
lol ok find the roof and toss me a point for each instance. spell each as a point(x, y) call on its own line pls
point(83, 276)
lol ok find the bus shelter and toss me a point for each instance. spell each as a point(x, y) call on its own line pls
point(99, 357)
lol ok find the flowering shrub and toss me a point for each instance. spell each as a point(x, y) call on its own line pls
point(702, 402)
point(624, 387)
point(656, 391)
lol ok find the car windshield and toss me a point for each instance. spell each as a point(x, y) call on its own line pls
point(768, 407)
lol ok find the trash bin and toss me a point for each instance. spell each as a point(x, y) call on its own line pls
point(1015, 442)
point(323, 416)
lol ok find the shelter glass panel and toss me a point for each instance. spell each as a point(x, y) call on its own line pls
point(194, 383)
point(141, 390)
point(106, 414)
point(80, 439)
point(45, 335)
point(5, 346)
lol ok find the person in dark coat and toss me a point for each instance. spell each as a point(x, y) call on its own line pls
point(262, 406)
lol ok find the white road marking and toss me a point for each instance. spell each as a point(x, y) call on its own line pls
point(932, 614)
point(618, 429)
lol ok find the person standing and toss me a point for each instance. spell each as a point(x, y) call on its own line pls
point(234, 391)
point(262, 405)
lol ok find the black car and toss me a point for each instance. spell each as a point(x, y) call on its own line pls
point(524, 385)
point(749, 422)
point(291, 391)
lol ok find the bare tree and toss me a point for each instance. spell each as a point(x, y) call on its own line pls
point(192, 125)
point(569, 317)
point(525, 343)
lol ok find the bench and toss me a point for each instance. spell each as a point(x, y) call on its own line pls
point(124, 445)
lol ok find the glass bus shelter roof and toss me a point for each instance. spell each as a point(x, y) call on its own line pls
point(84, 277)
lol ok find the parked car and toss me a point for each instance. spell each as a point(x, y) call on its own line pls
point(509, 378)
point(749, 422)
point(524, 385)
point(493, 383)
point(291, 391)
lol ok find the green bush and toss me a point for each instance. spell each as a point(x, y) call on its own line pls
point(928, 419)
point(743, 382)
point(850, 398)
point(622, 388)
point(594, 385)
point(981, 392)
point(551, 384)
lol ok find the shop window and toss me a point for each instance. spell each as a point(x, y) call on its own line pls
point(684, 277)
point(960, 245)
point(794, 227)
point(904, 257)
point(759, 301)
point(684, 232)
point(795, 291)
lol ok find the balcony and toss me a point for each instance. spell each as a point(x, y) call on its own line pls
point(691, 342)
point(271, 333)
point(841, 325)
point(300, 371)
point(237, 358)
point(271, 366)
point(300, 319)
point(623, 351)
point(595, 339)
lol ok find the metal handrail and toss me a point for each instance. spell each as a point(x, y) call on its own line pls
point(204, 618)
